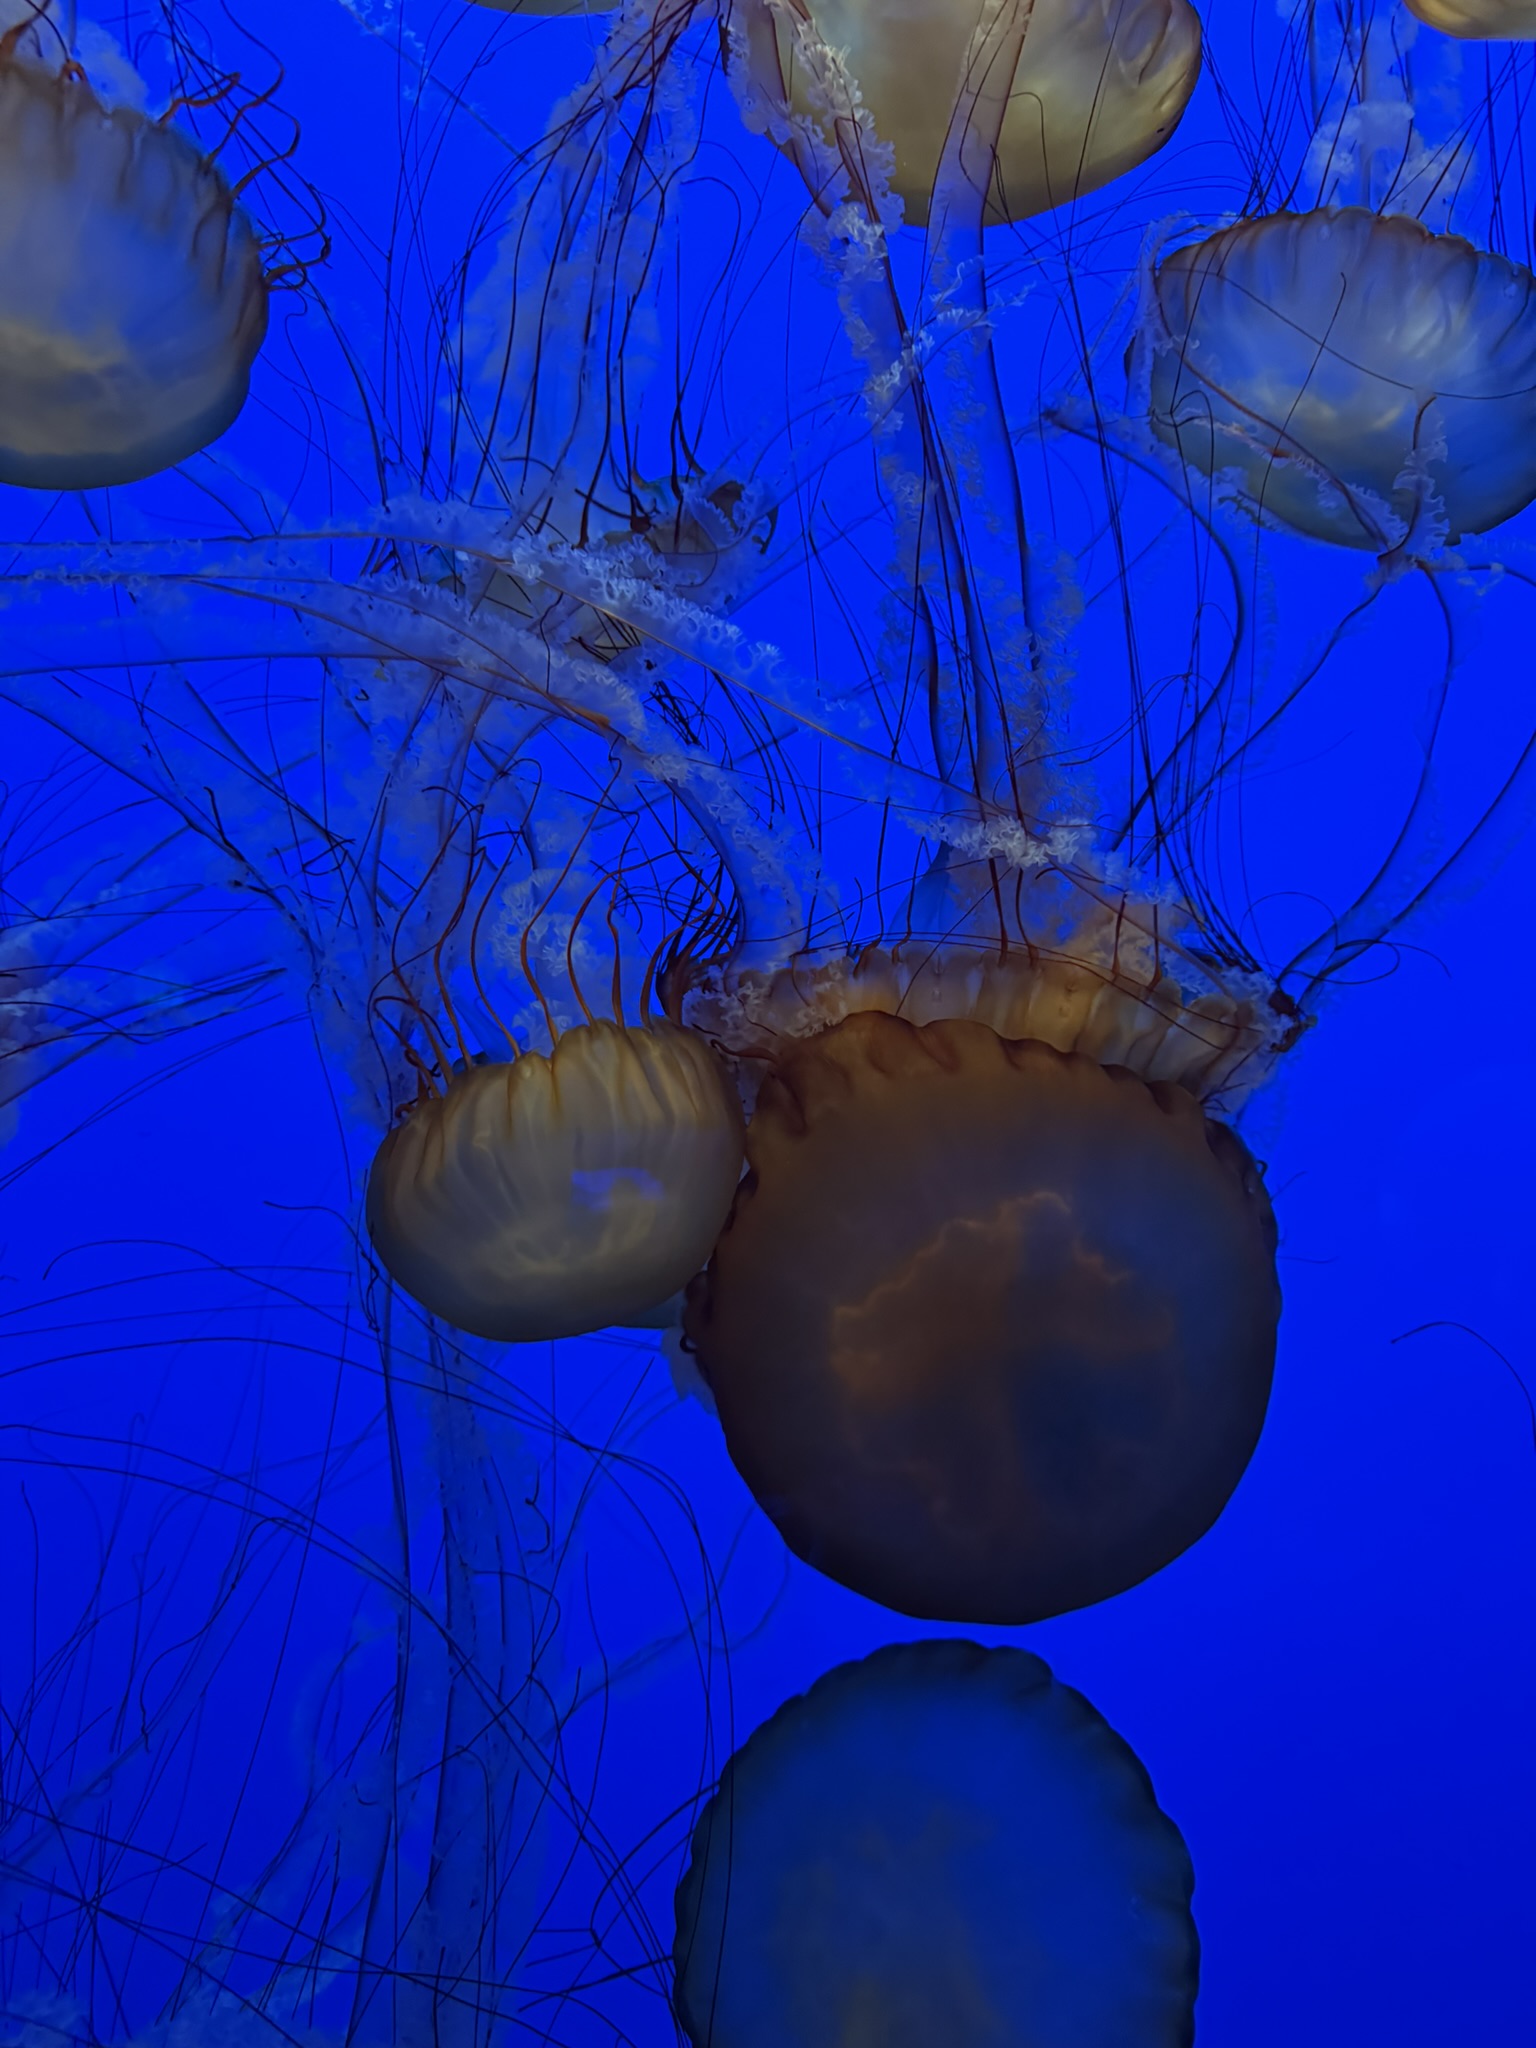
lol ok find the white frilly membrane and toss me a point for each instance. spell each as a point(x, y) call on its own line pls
point(1099, 973)
point(132, 294)
point(1479, 21)
point(1361, 379)
point(547, 1197)
point(1099, 87)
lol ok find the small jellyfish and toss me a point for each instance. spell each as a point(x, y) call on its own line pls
point(1479, 20)
point(132, 296)
point(1100, 85)
point(545, 1197)
point(992, 1326)
point(1362, 379)
point(940, 1844)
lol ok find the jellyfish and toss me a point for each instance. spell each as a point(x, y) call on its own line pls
point(546, 1197)
point(939, 1843)
point(1362, 380)
point(1478, 20)
point(134, 299)
point(992, 1326)
point(1087, 89)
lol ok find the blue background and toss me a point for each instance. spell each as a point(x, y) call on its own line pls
point(1334, 1692)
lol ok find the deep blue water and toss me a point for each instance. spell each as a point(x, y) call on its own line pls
point(1333, 1692)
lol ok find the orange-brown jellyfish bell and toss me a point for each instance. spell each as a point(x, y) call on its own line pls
point(939, 1847)
point(544, 1197)
point(992, 1324)
point(1099, 86)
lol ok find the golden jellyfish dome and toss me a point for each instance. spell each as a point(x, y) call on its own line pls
point(132, 295)
point(1099, 87)
point(1485, 21)
point(938, 1847)
point(991, 1327)
point(546, 1197)
point(1356, 375)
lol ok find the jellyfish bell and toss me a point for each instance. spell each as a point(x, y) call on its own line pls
point(132, 295)
point(1479, 20)
point(1358, 378)
point(546, 1197)
point(991, 1326)
point(1099, 87)
point(941, 1843)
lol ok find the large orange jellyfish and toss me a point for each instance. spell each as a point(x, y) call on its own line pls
point(991, 1327)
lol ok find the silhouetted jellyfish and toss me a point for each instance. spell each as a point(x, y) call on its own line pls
point(1357, 377)
point(544, 1197)
point(941, 1843)
point(132, 294)
point(1479, 20)
point(991, 1327)
point(1077, 91)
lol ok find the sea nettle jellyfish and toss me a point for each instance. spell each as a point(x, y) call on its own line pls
point(1356, 377)
point(132, 294)
point(1479, 20)
point(1074, 92)
point(992, 1324)
point(549, 1196)
point(939, 1844)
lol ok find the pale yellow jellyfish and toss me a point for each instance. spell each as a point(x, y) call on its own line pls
point(1099, 87)
point(132, 293)
point(1351, 376)
point(1488, 21)
point(541, 1198)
